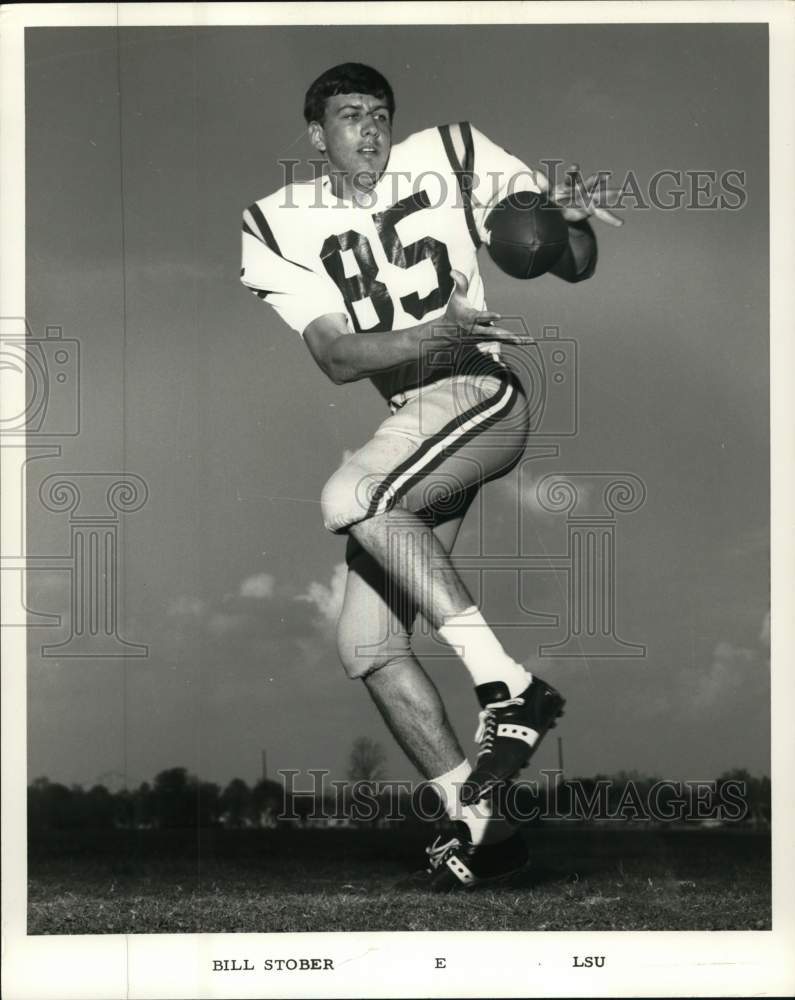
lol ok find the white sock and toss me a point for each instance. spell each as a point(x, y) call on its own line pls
point(482, 652)
point(482, 826)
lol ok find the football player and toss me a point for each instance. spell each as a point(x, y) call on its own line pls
point(374, 264)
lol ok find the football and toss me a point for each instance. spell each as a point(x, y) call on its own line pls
point(528, 234)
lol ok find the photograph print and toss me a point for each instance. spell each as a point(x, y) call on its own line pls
point(396, 456)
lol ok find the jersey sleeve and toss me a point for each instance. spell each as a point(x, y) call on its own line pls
point(297, 293)
point(496, 174)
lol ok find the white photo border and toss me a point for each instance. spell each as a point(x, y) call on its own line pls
point(401, 964)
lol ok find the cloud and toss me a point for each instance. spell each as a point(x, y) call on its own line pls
point(327, 599)
point(731, 684)
point(525, 489)
point(260, 586)
point(259, 613)
point(731, 670)
point(513, 488)
point(186, 606)
point(727, 656)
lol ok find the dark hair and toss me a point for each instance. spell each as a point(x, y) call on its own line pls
point(348, 78)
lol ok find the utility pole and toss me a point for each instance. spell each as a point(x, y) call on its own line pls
point(560, 756)
point(264, 765)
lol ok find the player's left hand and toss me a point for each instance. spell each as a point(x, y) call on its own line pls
point(580, 199)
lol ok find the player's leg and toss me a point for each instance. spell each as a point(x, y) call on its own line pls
point(446, 440)
point(374, 644)
point(486, 843)
point(405, 546)
point(408, 562)
point(373, 640)
point(517, 708)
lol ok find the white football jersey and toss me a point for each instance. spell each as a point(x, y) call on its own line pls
point(385, 266)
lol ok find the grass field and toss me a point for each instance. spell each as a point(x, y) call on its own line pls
point(147, 881)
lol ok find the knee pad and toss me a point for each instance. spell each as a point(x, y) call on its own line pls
point(343, 500)
point(361, 658)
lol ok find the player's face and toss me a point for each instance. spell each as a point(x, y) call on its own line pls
point(356, 137)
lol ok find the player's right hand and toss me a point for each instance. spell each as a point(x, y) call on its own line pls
point(474, 324)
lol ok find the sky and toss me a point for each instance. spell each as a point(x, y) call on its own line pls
point(144, 146)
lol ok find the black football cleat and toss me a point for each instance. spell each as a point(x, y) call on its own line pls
point(457, 864)
point(509, 733)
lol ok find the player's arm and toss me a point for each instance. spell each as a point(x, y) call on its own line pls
point(347, 357)
point(580, 201)
point(312, 305)
point(499, 173)
point(578, 262)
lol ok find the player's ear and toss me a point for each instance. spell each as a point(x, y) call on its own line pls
point(317, 136)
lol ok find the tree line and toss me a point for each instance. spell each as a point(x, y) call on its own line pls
point(178, 799)
point(174, 799)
